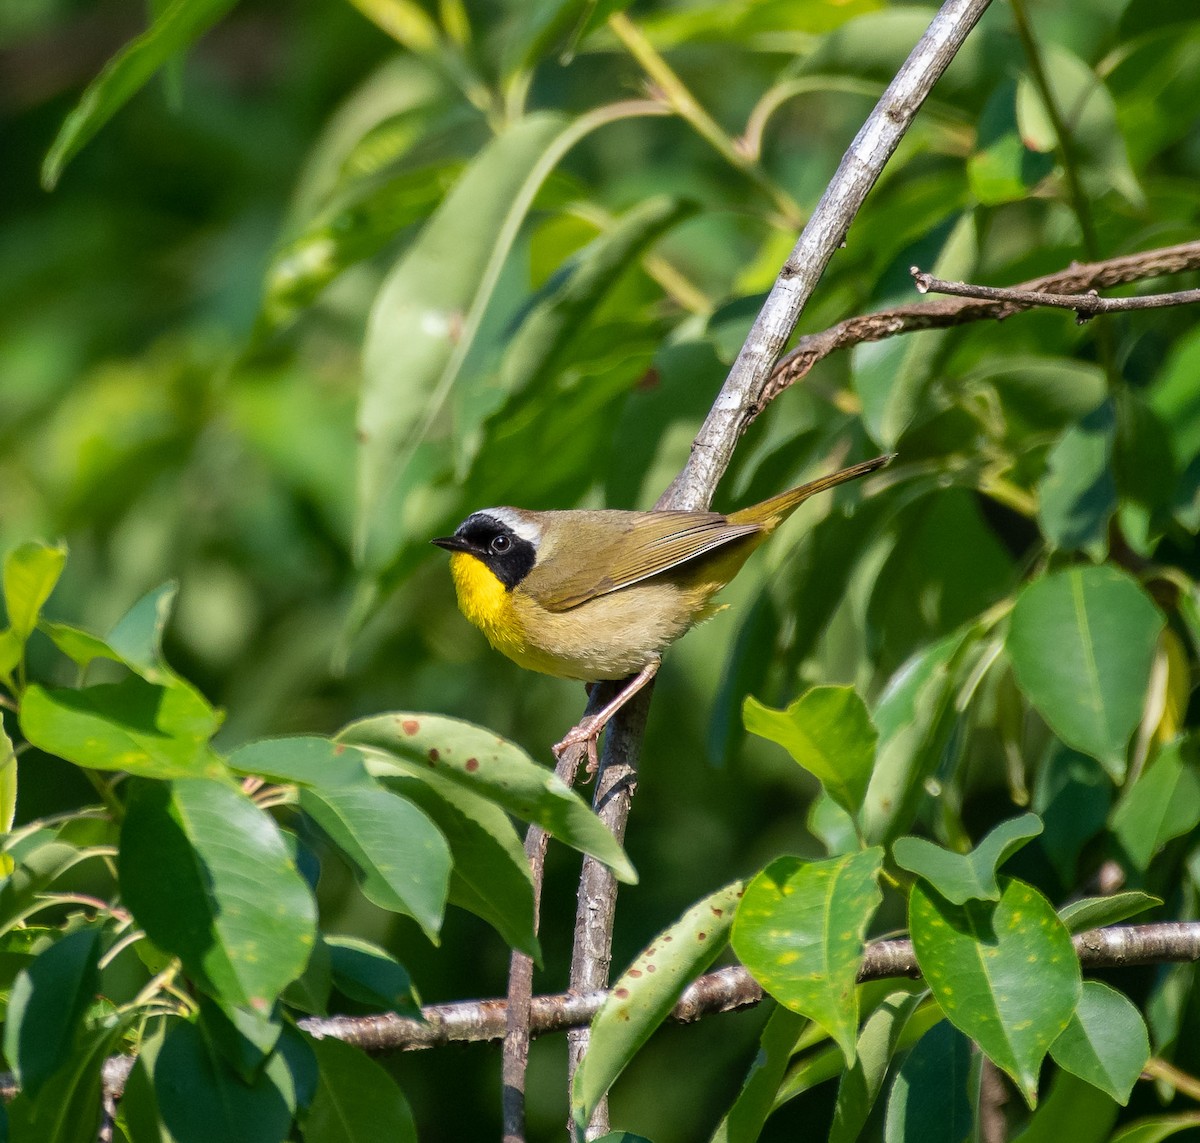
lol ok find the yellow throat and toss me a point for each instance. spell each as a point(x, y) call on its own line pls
point(486, 602)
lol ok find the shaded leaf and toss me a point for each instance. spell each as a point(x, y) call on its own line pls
point(929, 1100)
point(366, 973)
point(961, 877)
point(207, 875)
point(1164, 803)
point(180, 24)
point(1078, 494)
point(1105, 1043)
point(800, 929)
point(1073, 1110)
point(1081, 642)
point(647, 991)
point(486, 764)
point(1155, 1128)
point(46, 1006)
point(401, 856)
point(827, 731)
point(305, 760)
point(356, 1101)
point(976, 959)
point(200, 1098)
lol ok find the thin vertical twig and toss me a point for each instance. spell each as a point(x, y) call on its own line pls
point(733, 410)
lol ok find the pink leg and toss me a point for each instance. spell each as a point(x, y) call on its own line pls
point(588, 730)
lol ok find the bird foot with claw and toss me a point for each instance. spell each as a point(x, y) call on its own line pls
point(587, 733)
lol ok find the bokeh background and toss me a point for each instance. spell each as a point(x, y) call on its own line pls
point(181, 330)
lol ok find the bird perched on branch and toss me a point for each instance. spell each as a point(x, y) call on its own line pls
point(600, 594)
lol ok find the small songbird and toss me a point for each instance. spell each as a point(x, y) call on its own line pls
point(600, 594)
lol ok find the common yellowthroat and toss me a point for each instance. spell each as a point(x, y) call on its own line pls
point(600, 594)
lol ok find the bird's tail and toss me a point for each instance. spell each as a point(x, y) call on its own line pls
point(771, 513)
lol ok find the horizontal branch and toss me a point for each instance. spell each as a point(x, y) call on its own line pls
point(726, 990)
point(1086, 306)
point(942, 313)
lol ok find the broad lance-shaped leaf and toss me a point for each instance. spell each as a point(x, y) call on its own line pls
point(1164, 803)
point(490, 874)
point(357, 1101)
point(1096, 912)
point(183, 22)
point(1106, 1042)
point(136, 726)
point(1005, 973)
point(484, 763)
point(647, 991)
point(1078, 494)
point(429, 307)
point(30, 572)
point(828, 731)
point(207, 875)
point(536, 347)
point(960, 877)
point(913, 716)
point(929, 1101)
point(401, 856)
point(48, 1000)
point(1081, 643)
point(800, 929)
point(366, 973)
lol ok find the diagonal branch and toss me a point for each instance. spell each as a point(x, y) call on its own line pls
point(728, 418)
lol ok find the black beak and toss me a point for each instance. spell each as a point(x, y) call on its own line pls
point(454, 544)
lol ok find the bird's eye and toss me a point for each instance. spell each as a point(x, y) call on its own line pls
point(501, 544)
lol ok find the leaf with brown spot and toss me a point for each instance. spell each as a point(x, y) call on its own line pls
point(639, 1003)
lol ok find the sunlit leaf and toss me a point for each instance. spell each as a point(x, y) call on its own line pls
point(647, 991)
point(1106, 1041)
point(800, 930)
point(30, 573)
point(1164, 803)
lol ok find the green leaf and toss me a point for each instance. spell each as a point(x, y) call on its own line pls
point(183, 22)
point(306, 761)
point(47, 1004)
point(1105, 1043)
point(744, 1121)
point(200, 1098)
point(913, 716)
point(357, 1101)
point(430, 305)
point(929, 1101)
point(647, 991)
point(1078, 494)
point(491, 875)
point(1082, 642)
point(1156, 1128)
point(828, 731)
point(1073, 1110)
point(133, 725)
point(800, 929)
point(1002, 168)
point(242, 1037)
point(68, 1108)
point(11, 650)
point(80, 646)
point(863, 1080)
point(1164, 803)
point(136, 639)
point(8, 785)
point(976, 958)
point(962, 877)
point(30, 573)
point(537, 348)
point(366, 973)
point(401, 857)
point(483, 763)
point(1096, 912)
point(207, 875)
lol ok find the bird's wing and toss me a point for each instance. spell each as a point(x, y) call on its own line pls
point(651, 543)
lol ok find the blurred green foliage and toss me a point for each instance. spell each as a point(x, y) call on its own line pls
point(209, 376)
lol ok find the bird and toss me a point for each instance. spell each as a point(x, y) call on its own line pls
point(599, 594)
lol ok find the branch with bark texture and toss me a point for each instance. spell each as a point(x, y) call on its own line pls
point(1086, 306)
point(731, 413)
point(725, 990)
point(943, 313)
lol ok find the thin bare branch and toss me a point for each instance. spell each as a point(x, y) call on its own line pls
point(943, 313)
point(1086, 306)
